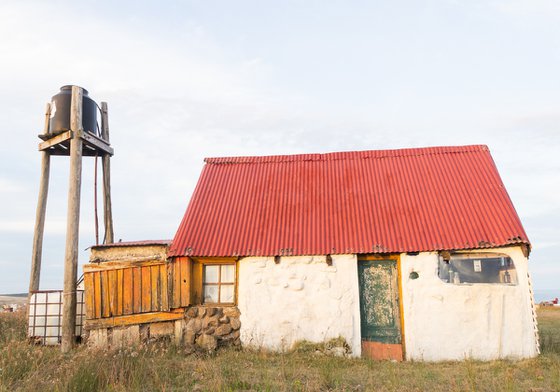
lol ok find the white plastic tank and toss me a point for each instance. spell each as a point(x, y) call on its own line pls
point(45, 316)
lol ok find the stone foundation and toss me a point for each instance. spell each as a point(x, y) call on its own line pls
point(202, 327)
point(209, 328)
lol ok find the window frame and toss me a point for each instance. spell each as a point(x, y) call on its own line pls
point(219, 284)
point(511, 271)
point(197, 288)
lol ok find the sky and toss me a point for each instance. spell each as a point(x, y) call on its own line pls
point(186, 80)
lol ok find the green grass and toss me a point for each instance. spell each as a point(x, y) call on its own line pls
point(25, 367)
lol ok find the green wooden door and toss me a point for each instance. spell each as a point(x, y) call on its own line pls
point(379, 301)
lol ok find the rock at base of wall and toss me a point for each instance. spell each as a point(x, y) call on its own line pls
point(125, 336)
point(192, 312)
point(209, 322)
point(223, 329)
point(207, 342)
point(161, 329)
point(194, 325)
point(231, 311)
point(235, 324)
point(98, 338)
point(189, 337)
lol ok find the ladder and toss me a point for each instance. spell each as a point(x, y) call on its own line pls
point(534, 313)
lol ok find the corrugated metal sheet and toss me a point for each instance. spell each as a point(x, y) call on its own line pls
point(420, 199)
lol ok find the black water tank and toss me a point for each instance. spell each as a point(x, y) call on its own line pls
point(60, 111)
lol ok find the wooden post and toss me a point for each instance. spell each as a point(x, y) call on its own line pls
point(36, 256)
point(108, 212)
point(73, 223)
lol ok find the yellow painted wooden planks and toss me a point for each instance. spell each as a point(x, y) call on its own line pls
point(97, 294)
point(128, 292)
point(134, 319)
point(154, 287)
point(184, 282)
point(146, 290)
point(137, 290)
point(113, 292)
point(163, 290)
point(120, 289)
point(89, 295)
point(105, 296)
point(176, 289)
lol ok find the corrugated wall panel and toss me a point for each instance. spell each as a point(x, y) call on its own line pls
point(351, 202)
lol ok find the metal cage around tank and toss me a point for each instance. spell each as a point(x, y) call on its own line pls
point(45, 316)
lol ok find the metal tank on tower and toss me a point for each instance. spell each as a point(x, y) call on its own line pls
point(71, 129)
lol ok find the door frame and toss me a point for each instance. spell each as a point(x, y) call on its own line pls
point(397, 258)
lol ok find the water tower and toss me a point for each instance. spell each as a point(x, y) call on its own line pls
point(71, 129)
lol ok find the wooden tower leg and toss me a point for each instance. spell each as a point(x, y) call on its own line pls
point(106, 163)
point(73, 223)
point(36, 256)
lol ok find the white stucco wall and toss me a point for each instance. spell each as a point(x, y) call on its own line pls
point(445, 321)
point(301, 298)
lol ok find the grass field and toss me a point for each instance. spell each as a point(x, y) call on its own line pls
point(159, 368)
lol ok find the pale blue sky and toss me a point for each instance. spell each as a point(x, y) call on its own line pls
point(190, 79)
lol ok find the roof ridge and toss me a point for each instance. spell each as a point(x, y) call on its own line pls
point(349, 155)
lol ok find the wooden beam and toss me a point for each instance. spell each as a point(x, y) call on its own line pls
point(526, 249)
point(53, 141)
point(91, 140)
point(142, 318)
point(47, 136)
point(106, 164)
point(72, 223)
point(39, 229)
point(60, 150)
point(111, 265)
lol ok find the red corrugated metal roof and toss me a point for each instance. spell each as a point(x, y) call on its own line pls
point(418, 199)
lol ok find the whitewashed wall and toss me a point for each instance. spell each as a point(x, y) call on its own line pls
point(452, 322)
point(301, 298)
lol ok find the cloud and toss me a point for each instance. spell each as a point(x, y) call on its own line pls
point(181, 85)
point(525, 8)
point(8, 185)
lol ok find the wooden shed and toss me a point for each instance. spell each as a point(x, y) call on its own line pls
point(134, 292)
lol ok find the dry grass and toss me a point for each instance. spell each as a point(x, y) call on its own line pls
point(158, 368)
point(549, 327)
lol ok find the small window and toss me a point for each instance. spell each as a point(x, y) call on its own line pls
point(478, 268)
point(218, 284)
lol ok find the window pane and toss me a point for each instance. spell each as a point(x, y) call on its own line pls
point(210, 294)
point(211, 273)
point(228, 273)
point(226, 294)
point(478, 269)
